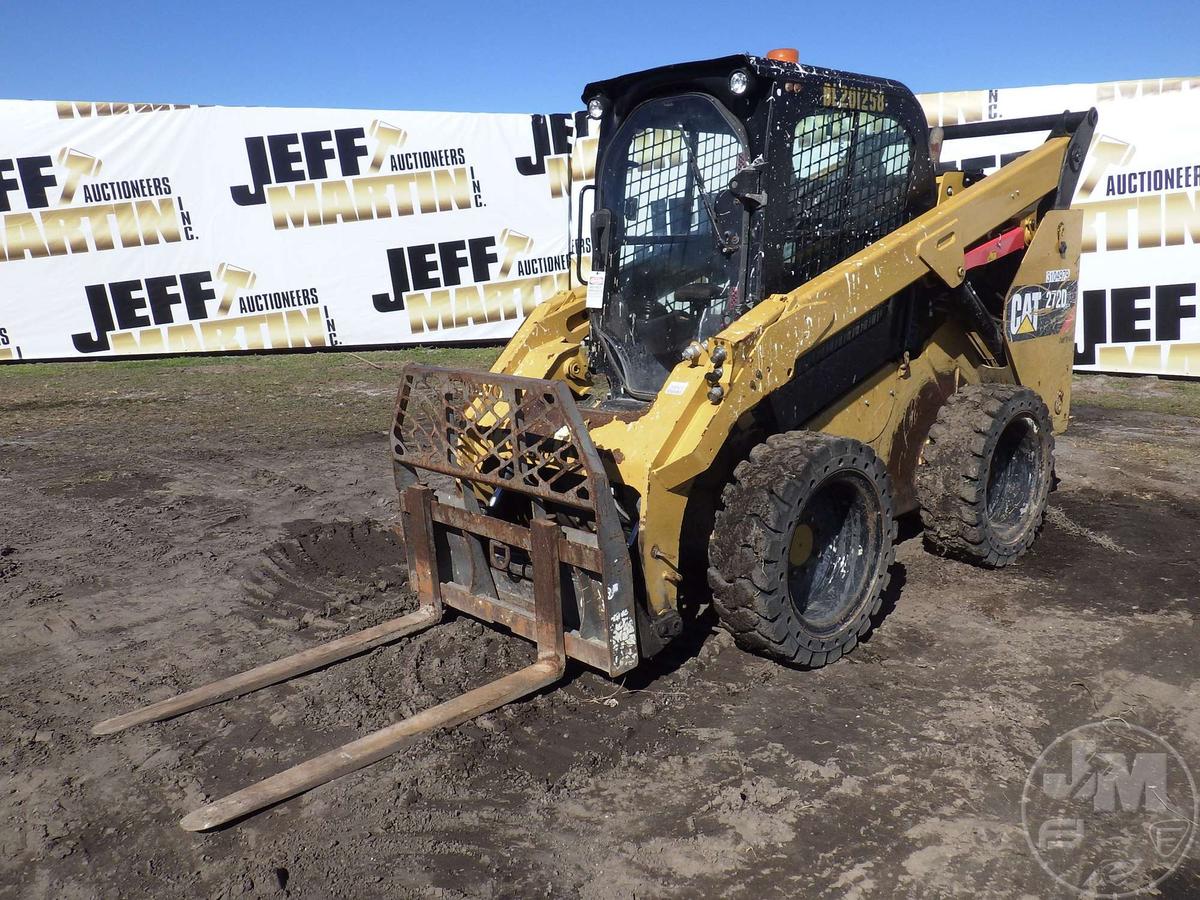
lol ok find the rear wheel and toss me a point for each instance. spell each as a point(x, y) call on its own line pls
point(799, 555)
point(986, 474)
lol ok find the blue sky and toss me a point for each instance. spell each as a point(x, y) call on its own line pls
point(513, 57)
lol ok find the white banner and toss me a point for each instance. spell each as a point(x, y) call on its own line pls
point(147, 229)
point(142, 229)
point(1139, 194)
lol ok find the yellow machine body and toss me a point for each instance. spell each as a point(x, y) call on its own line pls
point(662, 452)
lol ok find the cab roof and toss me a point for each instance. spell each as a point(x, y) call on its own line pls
point(712, 75)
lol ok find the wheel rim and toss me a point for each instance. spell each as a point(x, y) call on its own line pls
point(834, 552)
point(1012, 476)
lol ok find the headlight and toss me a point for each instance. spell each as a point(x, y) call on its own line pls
point(739, 81)
point(595, 107)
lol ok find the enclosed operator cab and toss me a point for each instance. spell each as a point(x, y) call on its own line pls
point(725, 181)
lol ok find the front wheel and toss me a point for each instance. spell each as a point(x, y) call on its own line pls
point(800, 552)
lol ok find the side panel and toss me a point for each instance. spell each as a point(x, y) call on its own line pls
point(1039, 312)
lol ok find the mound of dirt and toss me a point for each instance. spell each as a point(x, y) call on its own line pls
point(319, 568)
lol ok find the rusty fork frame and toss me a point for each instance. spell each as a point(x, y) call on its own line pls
point(418, 529)
point(494, 436)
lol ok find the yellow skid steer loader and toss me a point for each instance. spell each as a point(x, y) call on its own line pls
point(795, 328)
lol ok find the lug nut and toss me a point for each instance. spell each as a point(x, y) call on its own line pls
point(715, 394)
point(718, 356)
point(715, 375)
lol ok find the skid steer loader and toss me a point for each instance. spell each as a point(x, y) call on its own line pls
point(795, 328)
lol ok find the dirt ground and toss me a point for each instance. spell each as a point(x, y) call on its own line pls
point(164, 523)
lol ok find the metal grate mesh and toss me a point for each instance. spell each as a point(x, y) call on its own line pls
point(850, 180)
point(664, 191)
point(496, 430)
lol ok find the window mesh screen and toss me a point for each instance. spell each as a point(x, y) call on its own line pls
point(664, 192)
point(850, 181)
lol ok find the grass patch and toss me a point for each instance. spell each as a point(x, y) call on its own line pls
point(1143, 393)
point(282, 399)
point(266, 397)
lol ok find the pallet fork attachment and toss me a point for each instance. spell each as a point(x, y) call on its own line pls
point(418, 525)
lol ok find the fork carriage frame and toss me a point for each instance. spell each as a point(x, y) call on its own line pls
point(500, 437)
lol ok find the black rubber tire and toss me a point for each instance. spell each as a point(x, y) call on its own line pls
point(986, 474)
point(813, 612)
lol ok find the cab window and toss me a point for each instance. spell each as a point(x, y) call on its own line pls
point(847, 185)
